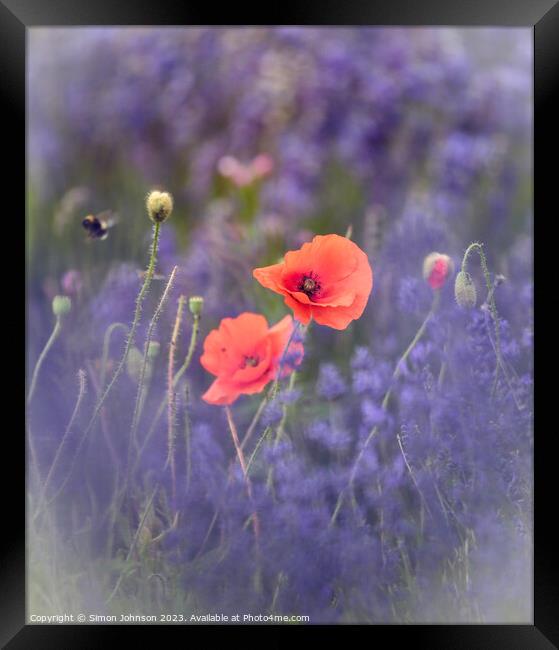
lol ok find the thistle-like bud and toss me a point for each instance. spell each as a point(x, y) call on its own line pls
point(465, 290)
point(61, 305)
point(134, 363)
point(437, 267)
point(153, 349)
point(195, 304)
point(159, 206)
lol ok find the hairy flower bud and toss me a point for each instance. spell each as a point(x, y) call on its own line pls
point(436, 269)
point(61, 305)
point(195, 304)
point(465, 290)
point(134, 363)
point(159, 206)
point(153, 349)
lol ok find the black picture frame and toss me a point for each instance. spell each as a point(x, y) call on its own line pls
point(16, 16)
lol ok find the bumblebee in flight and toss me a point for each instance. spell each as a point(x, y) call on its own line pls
point(97, 226)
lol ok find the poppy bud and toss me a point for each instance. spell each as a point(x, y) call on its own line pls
point(134, 364)
point(159, 206)
point(436, 269)
point(61, 305)
point(195, 304)
point(72, 282)
point(153, 349)
point(262, 165)
point(465, 290)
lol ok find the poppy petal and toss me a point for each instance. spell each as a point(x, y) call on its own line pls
point(221, 392)
point(333, 257)
point(270, 277)
point(219, 354)
point(301, 312)
point(340, 317)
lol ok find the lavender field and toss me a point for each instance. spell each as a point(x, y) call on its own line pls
point(279, 325)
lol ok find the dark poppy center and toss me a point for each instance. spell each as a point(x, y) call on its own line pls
point(251, 361)
point(309, 284)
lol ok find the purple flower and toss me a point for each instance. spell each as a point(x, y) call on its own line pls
point(330, 383)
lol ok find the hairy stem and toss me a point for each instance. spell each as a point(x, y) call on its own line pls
point(134, 543)
point(180, 372)
point(384, 405)
point(477, 247)
point(273, 389)
point(81, 393)
point(187, 434)
point(140, 391)
point(106, 343)
point(240, 456)
point(131, 336)
point(263, 437)
point(42, 357)
point(280, 428)
point(171, 397)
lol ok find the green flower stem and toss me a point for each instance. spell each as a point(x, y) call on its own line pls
point(33, 456)
point(131, 336)
point(81, 393)
point(280, 428)
point(106, 343)
point(281, 425)
point(256, 418)
point(477, 247)
point(42, 357)
point(262, 438)
point(408, 467)
point(171, 396)
point(272, 392)
point(187, 434)
point(384, 405)
point(249, 199)
point(145, 361)
point(140, 393)
point(207, 535)
point(133, 545)
point(180, 372)
point(190, 352)
point(137, 313)
point(240, 456)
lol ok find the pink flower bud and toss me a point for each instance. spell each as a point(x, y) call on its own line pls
point(71, 282)
point(437, 267)
point(262, 165)
point(242, 175)
point(227, 166)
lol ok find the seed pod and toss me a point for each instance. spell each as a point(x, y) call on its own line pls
point(61, 305)
point(465, 290)
point(195, 304)
point(134, 363)
point(153, 349)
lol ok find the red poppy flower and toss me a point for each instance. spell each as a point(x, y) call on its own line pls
point(328, 279)
point(245, 354)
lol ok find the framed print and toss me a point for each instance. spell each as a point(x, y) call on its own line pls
point(279, 323)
